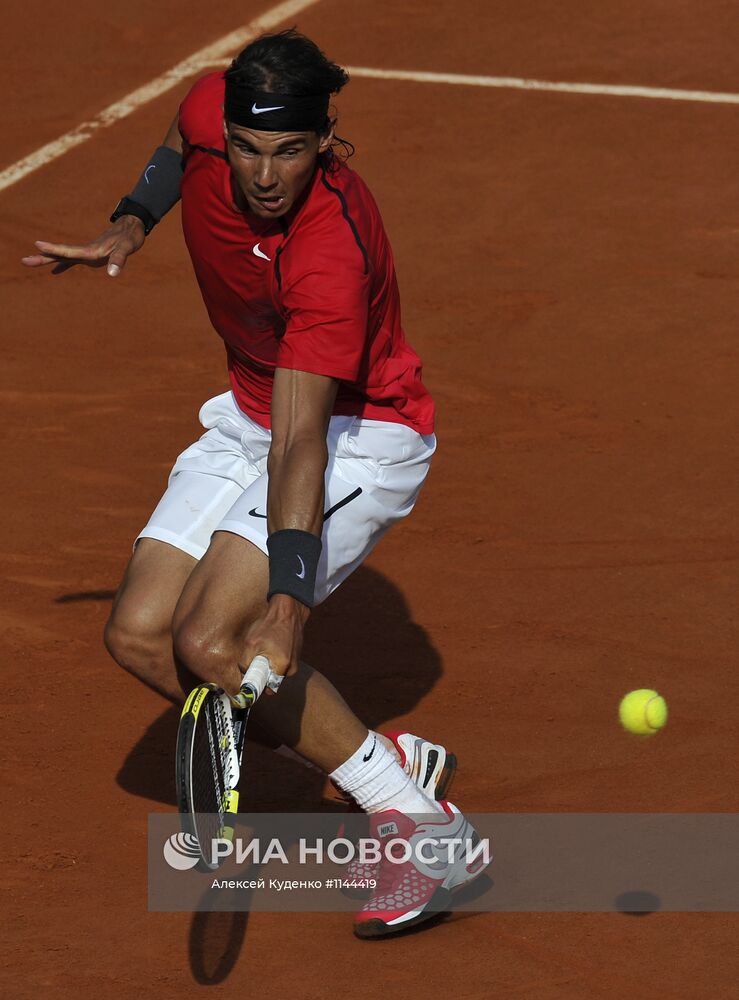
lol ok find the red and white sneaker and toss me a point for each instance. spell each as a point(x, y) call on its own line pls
point(411, 891)
point(431, 766)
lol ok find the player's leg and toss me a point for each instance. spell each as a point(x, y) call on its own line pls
point(207, 478)
point(138, 634)
point(223, 596)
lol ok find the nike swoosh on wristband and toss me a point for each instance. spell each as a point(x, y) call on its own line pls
point(259, 253)
point(301, 575)
point(260, 111)
point(152, 166)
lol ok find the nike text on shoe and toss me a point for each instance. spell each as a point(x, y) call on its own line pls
point(413, 890)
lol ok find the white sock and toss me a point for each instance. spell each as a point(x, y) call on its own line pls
point(377, 782)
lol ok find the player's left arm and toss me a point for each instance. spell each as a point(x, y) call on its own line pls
point(302, 404)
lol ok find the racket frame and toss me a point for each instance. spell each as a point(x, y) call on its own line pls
point(192, 715)
point(236, 713)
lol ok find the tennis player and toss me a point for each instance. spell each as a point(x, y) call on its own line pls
point(322, 442)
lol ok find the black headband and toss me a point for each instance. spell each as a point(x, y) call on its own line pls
point(274, 112)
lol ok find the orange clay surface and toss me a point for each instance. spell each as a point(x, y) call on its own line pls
point(568, 266)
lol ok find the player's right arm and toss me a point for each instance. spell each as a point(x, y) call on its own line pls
point(111, 248)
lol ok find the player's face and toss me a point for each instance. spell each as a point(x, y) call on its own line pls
point(272, 169)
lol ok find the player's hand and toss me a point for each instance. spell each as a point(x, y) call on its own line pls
point(278, 635)
point(111, 249)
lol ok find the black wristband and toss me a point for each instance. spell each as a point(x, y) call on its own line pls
point(126, 206)
point(156, 191)
point(293, 562)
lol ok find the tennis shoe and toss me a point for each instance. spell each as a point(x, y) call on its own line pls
point(413, 890)
point(431, 767)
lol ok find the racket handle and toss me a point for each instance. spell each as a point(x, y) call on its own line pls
point(258, 676)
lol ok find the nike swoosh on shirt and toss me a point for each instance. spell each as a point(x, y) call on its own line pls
point(259, 253)
point(260, 111)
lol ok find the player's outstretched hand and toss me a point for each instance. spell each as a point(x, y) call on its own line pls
point(110, 250)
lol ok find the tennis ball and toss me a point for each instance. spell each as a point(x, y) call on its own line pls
point(642, 711)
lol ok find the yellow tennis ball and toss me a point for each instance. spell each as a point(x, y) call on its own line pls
point(642, 711)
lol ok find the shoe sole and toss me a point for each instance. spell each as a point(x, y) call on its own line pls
point(372, 929)
point(368, 930)
point(439, 903)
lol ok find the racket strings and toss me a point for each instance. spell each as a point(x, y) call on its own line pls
point(208, 781)
point(216, 751)
point(225, 738)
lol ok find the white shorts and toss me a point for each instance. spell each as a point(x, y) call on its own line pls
point(374, 474)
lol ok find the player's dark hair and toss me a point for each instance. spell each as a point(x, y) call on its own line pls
point(289, 63)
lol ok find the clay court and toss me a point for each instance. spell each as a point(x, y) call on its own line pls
point(568, 267)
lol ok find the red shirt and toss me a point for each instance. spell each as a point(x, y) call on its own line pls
point(314, 291)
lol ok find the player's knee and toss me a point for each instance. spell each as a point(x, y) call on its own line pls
point(135, 641)
point(206, 654)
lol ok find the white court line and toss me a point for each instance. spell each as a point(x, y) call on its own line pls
point(219, 52)
point(520, 83)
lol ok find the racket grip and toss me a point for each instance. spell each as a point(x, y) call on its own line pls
point(258, 676)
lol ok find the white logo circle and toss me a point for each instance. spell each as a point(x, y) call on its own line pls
point(181, 851)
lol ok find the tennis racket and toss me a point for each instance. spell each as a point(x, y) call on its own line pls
point(210, 744)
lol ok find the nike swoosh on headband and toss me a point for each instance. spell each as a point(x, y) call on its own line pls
point(260, 111)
